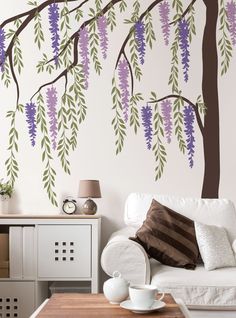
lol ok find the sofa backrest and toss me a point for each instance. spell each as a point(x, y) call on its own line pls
point(220, 212)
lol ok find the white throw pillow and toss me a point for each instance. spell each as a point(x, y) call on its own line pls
point(214, 246)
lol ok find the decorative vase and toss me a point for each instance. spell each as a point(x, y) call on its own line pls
point(4, 201)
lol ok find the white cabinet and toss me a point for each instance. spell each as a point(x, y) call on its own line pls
point(64, 251)
point(56, 248)
point(17, 299)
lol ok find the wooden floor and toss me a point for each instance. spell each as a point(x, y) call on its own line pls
point(95, 305)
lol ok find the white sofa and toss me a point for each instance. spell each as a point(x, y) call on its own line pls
point(199, 289)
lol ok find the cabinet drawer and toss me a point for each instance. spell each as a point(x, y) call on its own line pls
point(64, 251)
point(16, 299)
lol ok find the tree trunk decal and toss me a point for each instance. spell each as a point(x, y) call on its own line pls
point(79, 34)
point(210, 96)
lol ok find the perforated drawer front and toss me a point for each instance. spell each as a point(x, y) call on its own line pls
point(64, 251)
point(16, 299)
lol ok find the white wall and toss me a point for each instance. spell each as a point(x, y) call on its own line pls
point(133, 169)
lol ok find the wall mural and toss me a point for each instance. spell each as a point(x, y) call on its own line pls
point(53, 117)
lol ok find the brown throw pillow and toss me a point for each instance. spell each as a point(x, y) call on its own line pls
point(169, 237)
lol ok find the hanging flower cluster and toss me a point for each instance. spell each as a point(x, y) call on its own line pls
point(189, 131)
point(84, 53)
point(30, 111)
point(53, 15)
point(2, 48)
point(164, 11)
point(231, 17)
point(102, 32)
point(166, 114)
point(146, 112)
point(52, 113)
point(123, 72)
point(140, 40)
point(184, 46)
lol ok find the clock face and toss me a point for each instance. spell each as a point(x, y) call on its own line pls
point(69, 206)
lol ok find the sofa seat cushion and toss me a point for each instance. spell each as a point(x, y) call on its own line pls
point(199, 288)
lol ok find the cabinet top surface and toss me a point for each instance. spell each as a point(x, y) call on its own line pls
point(52, 216)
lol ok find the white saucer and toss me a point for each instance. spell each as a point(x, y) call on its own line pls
point(127, 304)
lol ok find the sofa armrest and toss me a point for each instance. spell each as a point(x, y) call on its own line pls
point(127, 257)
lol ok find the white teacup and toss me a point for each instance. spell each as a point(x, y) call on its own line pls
point(143, 296)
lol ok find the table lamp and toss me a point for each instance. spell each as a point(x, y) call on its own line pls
point(89, 189)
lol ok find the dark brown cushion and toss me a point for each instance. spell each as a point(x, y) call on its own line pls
point(169, 237)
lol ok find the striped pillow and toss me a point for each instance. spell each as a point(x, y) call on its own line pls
point(169, 237)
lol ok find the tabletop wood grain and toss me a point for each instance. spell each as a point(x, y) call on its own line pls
point(96, 305)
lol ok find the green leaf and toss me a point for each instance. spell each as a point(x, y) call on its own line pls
point(78, 15)
point(178, 6)
point(174, 71)
point(134, 55)
point(117, 122)
point(17, 55)
point(38, 31)
point(158, 147)
point(94, 45)
point(122, 6)
point(134, 115)
point(111, 18)
point(149, 30)
point(224, 43)
point(6, 78)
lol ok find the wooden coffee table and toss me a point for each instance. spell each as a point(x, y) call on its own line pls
point(96, 305)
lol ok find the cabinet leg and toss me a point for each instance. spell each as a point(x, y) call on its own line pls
point(94, 286)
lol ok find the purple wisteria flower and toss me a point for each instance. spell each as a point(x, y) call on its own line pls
point(30, 111)
point(52, 113)
point(189, 118)
point(53, 15)
point(167, 119)
point(231, 17)
point(140, 40)
point(102, 32)
point(2, 48)
point(123, 72)
point(184, 46)
point(164, 11)
point(84, 53)
point(146, 112)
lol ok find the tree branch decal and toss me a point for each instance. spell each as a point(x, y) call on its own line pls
point(79, 33)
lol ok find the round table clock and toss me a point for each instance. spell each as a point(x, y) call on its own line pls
point(69, 206)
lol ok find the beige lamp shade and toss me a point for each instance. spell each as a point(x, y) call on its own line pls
point(89, 189)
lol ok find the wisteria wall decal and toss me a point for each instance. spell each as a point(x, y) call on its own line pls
point(53, 15)
point(52, 114)
point(79, 32)
point(2, 48)
point(184, 45)
point(123, 71)
point(231, 16)
point(30, 111)
point(166, 108)
point(84, 53)
point(164, 11)
point(189, 131)
point(102, 31)
point(146, 112)
point(140, 39)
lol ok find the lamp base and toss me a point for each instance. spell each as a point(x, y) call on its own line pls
point(89, 207)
